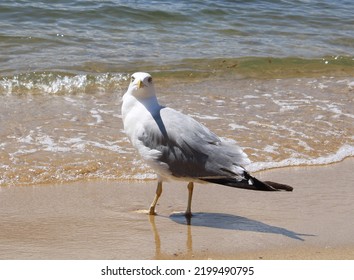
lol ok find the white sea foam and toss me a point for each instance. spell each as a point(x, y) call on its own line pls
point(95, 114)
point(21, 152)
point(58, 83)
point(343, 152)
point(139, 176)
point(108, 146)
point(235, 126)
point(248, 96)
point(271, 149)
point(26, 139)
point(205, 117)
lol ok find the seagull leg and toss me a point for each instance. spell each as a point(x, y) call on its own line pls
point(158, 194)
point(190, 194)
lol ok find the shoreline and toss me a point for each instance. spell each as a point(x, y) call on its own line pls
point(102, 219)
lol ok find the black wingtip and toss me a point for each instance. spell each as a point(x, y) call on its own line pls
point(250, 183)
point(259, 185)
point(278, 186)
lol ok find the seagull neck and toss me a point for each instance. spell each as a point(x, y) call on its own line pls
point(150, 103)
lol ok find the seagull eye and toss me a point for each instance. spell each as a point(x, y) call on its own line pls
point(132, 79)
point(150, 80)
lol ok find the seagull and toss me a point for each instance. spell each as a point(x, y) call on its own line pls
point(178, 147)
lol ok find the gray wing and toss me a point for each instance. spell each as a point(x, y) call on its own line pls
point(189, 149)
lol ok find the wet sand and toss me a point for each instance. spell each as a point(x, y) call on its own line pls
point(104, 219)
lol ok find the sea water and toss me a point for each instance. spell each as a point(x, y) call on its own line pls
point(277, 77)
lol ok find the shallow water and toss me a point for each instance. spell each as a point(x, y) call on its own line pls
point(278, 122)
point(275, 76)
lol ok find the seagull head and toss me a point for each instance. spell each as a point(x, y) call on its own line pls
point(141, 85)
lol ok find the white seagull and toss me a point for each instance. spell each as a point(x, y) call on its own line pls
point(178, 147)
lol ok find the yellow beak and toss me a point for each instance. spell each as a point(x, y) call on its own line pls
point(140, 84)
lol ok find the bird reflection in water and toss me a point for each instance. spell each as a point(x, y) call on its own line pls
point(159, 254)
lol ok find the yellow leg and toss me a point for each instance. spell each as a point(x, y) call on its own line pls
point(158, 194)
point(190, 194)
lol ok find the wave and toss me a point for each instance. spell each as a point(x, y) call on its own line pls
point(94, 77)
point(60, 83)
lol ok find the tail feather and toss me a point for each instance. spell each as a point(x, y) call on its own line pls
point(250, 183)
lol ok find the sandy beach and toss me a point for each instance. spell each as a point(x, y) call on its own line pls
point(105, 219)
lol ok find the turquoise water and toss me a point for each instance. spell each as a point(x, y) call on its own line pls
point(275, 76)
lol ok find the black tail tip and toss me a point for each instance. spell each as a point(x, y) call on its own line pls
point(280, 187)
